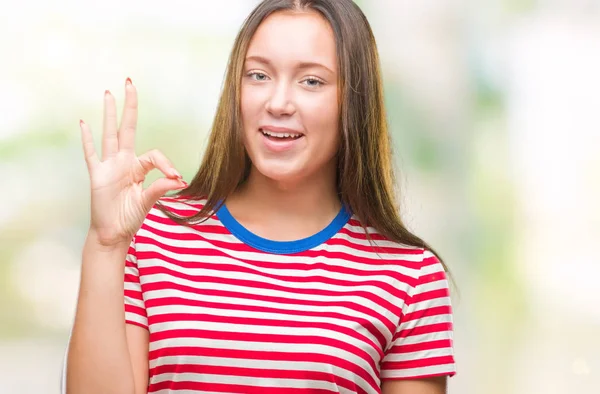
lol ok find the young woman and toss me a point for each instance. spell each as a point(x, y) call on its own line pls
point(283, 267)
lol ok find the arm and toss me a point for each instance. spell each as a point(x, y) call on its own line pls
point(137, 341)
point(437, 385)
point(99, 357)
point(105, 355)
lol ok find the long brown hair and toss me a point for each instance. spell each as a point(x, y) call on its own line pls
point(365, 176)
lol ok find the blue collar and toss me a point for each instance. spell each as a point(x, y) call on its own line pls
point(282, 247)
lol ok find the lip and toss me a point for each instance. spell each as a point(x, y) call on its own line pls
point(276, 146)
point(276, 129)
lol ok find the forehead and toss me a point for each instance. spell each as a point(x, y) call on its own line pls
point(287, 37)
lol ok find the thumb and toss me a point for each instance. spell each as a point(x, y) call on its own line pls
point(159, 188)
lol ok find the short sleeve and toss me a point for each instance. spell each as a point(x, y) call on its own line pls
point(422, 345)
point(135, 309)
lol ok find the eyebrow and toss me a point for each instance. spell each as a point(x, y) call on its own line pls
point(300, 65)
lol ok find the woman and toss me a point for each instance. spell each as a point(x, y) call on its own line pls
point(283, 267)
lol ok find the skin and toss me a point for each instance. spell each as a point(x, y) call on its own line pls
point(289, 195)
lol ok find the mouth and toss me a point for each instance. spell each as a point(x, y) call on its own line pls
point(280, 136)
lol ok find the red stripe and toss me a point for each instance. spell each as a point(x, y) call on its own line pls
point(421, 346)
point(136, 295)
point(261, 373)
point(324, 359)
point(213, 250)
point(230, 388)
point(130, 278)
point(381, 267)
point(428, 329)
point(262, 338)
point(230, 267)
point(367, 324)
point(255, 284)
point(242, 247)
point(418, 363)
point(135, 323)
point(147, 287)
point(135, 310)
point(253, 321)
point(430, 295)
point(433, 311)
point(450, 372)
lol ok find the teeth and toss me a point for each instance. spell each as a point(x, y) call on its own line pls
point(280, 135)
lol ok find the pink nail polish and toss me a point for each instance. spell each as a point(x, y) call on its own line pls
point(128, 81)
point(106, 92)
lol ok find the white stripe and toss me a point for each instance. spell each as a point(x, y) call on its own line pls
point(351, 313)
point(286, 277)
point(292, 348)
point(248, 329)
point(283, 317)
point(429, 337)
point(432, 268)
point(245, 380)
point(136, 318)
point(363, 275)
point(420, 355)
point(428, 304)
point(169, 391)
point(444, 369)
point(425, 321)
point(275, 293)
point(262, 364)
point(431, 286)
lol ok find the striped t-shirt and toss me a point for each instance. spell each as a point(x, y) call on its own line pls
point(230, 312)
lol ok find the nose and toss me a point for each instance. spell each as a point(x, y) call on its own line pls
point(280, 101)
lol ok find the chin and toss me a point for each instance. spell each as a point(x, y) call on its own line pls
point(280, 172)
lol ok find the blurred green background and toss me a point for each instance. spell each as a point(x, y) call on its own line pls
point(495, 114)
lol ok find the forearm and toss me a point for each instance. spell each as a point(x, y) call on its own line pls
point(98, 357)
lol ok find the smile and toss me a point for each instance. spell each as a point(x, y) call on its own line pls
point(280, 135)
point(279, 140)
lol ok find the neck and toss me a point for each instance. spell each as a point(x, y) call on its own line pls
point(309, 203)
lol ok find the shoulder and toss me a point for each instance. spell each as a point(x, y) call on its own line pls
point(180, 206)
point(159, 224)
point(412, 261)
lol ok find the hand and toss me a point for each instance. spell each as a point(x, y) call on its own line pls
point(119, 202)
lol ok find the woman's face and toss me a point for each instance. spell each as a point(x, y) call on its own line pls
point(289, 97)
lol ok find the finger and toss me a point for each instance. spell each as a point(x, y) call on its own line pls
point(129, 118)
point(159, 188)
point(156, 159)
point(89, 152)
point(110, 140)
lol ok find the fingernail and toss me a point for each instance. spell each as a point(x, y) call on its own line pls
point(81, 122)
point(128, 81)
point(106, 92)
point(176, 173)
point(183, 184)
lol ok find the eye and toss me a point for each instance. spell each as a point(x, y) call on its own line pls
point(313, 82)
point(257, 76)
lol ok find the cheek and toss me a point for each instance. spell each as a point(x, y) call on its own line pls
point(322, 116)
point(250, 109)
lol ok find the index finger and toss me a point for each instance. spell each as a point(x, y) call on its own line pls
point(129, 119)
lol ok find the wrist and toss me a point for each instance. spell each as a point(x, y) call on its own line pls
point(96, 243)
